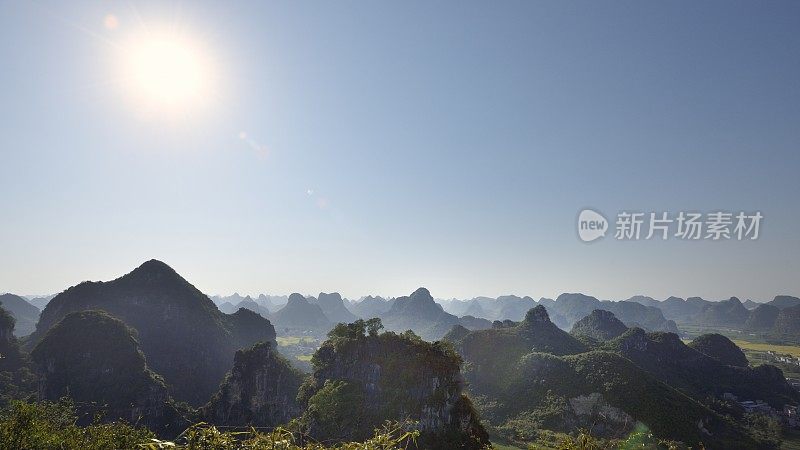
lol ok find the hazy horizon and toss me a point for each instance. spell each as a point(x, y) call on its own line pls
point(375, 148)
point(437, 298)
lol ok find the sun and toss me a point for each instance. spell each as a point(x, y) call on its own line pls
point(166, 74)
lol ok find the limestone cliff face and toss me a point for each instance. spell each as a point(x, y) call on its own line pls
point(95, 359)
point(7, 323)
point(10, 356)
point(260, 390)
point(361, 381)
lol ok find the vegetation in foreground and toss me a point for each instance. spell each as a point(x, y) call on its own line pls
point(53, 425)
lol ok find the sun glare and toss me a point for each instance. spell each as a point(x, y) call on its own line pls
point(166, 74)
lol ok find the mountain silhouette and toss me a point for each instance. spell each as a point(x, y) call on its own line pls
point(300, 314)
point(25, 314)
point(185, 338)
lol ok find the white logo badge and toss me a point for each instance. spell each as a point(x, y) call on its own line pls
point(591, 225)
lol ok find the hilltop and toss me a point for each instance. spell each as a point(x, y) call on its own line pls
point(668, 359)
point(334, 308)
point(720, 348)
point(363, 377)
point(260, 390)
point(185, 337)
point(95, 359)
point(301, 315)
point(536, 333)
point(600, 325)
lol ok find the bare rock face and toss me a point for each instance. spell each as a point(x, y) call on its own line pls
point(260, 390)
point(594, 411)
point(7, 323)
point(362, 380)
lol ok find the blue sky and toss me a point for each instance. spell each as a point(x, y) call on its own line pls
point(396, 145)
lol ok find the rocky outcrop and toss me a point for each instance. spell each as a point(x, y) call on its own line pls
point(592, 410)
point(260, 390)
point(10, 356)
point(95, 359)
point(362, 380)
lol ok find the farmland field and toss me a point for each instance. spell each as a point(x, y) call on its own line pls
point(285, 341)
point(764, 347)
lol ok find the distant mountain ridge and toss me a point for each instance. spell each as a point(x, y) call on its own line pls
point(299, 313)
point(25, 314)
point(369, 307)
point(419, 312)
point(334, 308)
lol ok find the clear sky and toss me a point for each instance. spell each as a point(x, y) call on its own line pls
point(375, 147)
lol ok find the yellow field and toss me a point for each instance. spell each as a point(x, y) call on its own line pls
point(763, 347)
point(497, 446)
point(285, 341)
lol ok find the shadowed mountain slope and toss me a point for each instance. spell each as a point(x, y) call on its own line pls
point(25, 314)
point(300, 314)
point(720, 348)
point(260, 390)
point(95, 359)
point(185, 338)
point(419, 312)
point(333, 307)
point(545, 379)
point(600, 325)
point(362, 378)
point(668, 359)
